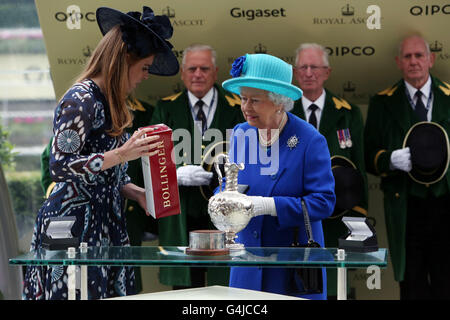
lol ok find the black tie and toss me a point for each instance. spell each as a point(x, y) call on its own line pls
point(420, 110)
point(312, 116)
point(201, 115)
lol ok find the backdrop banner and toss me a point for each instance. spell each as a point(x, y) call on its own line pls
point(361, 36)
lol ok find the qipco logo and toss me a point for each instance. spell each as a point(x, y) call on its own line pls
point(73, 17)
point(429, 10)
point(354, 51)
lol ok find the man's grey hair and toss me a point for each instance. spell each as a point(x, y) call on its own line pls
point(400, 46)
point(317, 46)
point(282, 100)
point(199, 47)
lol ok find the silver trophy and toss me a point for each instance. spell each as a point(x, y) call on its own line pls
point(230, 210)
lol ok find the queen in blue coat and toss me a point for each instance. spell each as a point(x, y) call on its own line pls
point(286, 162)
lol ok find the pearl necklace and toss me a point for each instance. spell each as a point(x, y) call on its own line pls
point(274, 133)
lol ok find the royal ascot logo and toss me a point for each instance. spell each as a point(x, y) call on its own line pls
point(349, 86)
point(73, 17)
point(436, 46)
point(87, 51)
point(181, 22)
point(430, 10)
point(168, 11)
point(260, 48)
point(348, 16)
point(252, 14)
point(354, 51)
point(349, 92)
point(81, 60)
point(348, 10)
point(178, 54)
point(438, 49)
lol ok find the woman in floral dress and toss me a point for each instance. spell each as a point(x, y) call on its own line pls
point(90, 149)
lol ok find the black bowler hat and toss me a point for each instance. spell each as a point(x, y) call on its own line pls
point(429, 147)
point(348, 185)
point(143, 36)
point(209, 157)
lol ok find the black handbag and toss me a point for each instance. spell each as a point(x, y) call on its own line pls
point(305, 280)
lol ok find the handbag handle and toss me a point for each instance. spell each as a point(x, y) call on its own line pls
point(311, 242)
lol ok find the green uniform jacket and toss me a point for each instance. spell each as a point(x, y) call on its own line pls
point(175, 112)
point(389, 118)
point(338, 114)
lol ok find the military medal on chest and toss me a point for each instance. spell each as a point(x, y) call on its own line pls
point(348, 138)
point(344, 138)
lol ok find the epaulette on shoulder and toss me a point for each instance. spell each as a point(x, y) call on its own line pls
point(445, 88)
point(233, 99)
point(172, 97)
point(135, 104)
point(341, 103)
point(388, 91)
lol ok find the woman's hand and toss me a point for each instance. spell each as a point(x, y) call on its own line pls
point(133, 192)
point(137, 146)
point(140, 198)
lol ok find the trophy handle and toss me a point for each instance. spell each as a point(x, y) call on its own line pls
point(216, 166)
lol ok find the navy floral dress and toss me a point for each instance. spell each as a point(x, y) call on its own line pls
point(80, 126)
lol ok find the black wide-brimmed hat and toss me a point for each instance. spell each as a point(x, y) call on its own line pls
point(429, 147)
point(348, 185)
point(143, 36)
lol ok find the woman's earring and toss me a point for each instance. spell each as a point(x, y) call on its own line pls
point(279, 111)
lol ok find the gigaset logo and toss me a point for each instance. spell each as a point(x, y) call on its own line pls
point(356, 51)
point(252, 14)
point(429, 10)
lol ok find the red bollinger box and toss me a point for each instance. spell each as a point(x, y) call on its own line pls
point(160, 176)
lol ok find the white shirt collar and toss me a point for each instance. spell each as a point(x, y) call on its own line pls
point(207, 99)
point(320, 102)
point(426, 89)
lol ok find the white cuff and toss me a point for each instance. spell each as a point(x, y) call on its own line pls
point(264, 205)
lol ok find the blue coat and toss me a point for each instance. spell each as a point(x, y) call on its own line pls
point(289, 174)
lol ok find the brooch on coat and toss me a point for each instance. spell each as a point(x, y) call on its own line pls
point(345, 139)
point(292, 142)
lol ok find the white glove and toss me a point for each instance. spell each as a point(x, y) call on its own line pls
point(263, 205)
point(401, 160)
point(191, 175)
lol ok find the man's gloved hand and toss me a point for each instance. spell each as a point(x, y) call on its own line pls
point(191, 175)
point(401, 160)
point(263, 205)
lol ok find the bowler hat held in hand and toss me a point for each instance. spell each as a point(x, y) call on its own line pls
point(429, 146)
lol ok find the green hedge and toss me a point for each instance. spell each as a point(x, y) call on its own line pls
point(27, 197)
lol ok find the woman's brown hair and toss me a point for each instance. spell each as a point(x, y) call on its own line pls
point(111, 60)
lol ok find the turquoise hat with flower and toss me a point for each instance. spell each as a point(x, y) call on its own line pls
point(262, 71)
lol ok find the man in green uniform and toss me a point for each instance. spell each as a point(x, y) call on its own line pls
point(340, 123)
point(199, 112)
point(417, 217)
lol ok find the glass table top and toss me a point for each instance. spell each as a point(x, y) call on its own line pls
point(176, 256)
